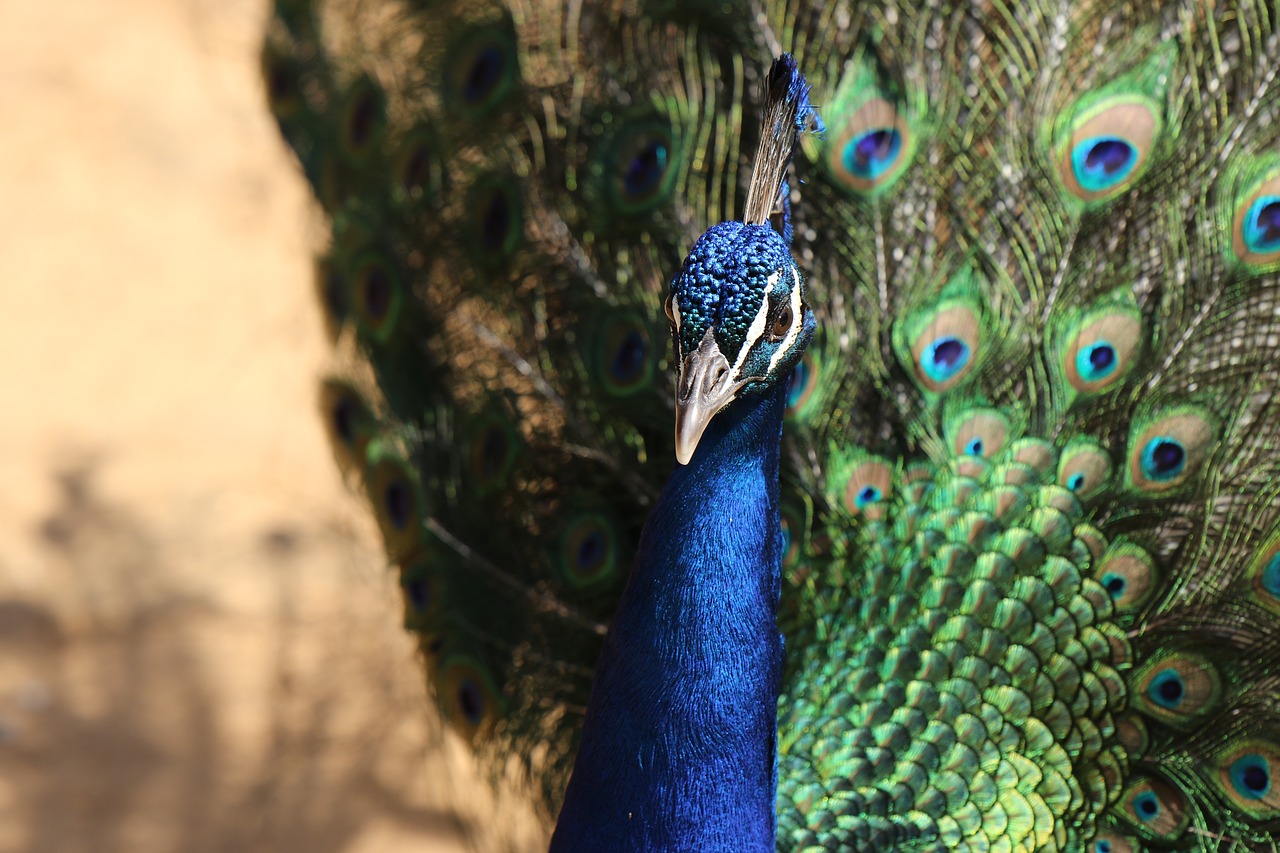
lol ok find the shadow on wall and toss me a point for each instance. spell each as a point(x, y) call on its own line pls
point(116, 733)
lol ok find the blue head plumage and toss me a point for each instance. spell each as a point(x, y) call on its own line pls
point(737, 307)
point(739, 320)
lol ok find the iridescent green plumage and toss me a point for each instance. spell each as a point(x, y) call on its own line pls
point(1031, 480)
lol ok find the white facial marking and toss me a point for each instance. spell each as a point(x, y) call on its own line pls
point(757, 326)
point(796, 324)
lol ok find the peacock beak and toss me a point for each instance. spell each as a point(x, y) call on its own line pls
point(704, 387)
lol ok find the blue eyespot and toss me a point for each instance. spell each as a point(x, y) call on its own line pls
point(486, 71)
point(374, 292)
point(496, 221)
point(630, 358)
point(974, 447)
point(643, 174)
point(623, 356)
point(1262, 225)
point(416, 170)
point(640, 164)
point(1096, 361)
point(792, 538)
point(1167, 689)
point(1102, 846)
point(1163, 458)
point(377, 298)
point(363, 117)
point(867, 495)
point(471, 701)
point(481, 69)
point(345, 415)
point(591, 551)
point(1251, 776)
point(944, 358)
point(1076, 482)
point(1101, 162)
point(1271, 576)
point(1147, 806)
point(398, 503)
point(493, 449)
point(418, 591)
point(1114, 584)
point(872, 153)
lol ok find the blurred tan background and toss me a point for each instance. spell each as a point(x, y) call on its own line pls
point(199, 642)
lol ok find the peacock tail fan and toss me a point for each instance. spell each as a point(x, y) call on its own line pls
point(1031, 477)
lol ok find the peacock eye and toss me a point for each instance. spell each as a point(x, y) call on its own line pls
point(622, 355)
point(1165, 451)
point(416, 167)
point(782, 324)
point(484, 73)
point(1252, 776)
point(1147, 806)
point(1255, 217)
point(872, 153)
point(481, 69)
point(942, 343)
point(1167, 689)
point(1262, 225)
point(670, 307)
point(870, 147)
point(641, 161)
point(496, 220)
point(1110, 145)
point(1102, 162)
point(365, 118)
point(1246, 774)
point(1163, 458)
point(643, 173)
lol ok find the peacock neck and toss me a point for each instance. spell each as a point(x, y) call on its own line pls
point(678, 746)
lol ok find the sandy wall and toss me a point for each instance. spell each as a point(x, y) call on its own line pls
point(199, 642)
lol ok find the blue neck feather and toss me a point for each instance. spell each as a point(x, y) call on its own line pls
point(678, 747)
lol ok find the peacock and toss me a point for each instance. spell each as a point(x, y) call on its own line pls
point(878, 450)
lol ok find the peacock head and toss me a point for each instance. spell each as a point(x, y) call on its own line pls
point(740, 323)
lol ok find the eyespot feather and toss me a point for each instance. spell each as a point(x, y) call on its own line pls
point(1178, 688)
point(1167, 449)
point(1084, 467)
